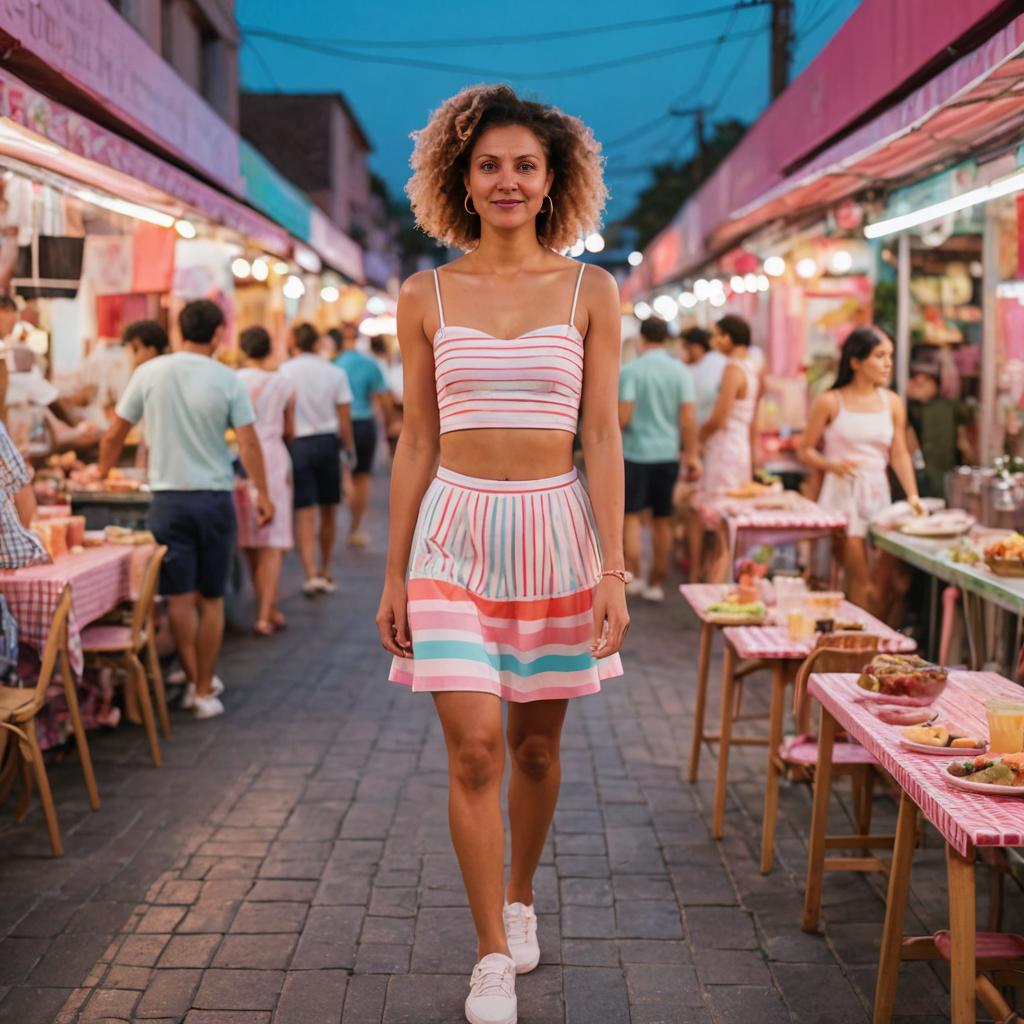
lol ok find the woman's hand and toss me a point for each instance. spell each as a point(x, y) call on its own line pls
point(845, 469)
point(611, 619)
point(915, 504)
point(392, 620)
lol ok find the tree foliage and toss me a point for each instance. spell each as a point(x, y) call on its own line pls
point(673, 182)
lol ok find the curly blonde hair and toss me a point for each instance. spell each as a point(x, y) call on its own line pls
point(441, 155)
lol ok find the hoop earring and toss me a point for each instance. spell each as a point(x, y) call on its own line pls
point(465, 205)
point(551, 205)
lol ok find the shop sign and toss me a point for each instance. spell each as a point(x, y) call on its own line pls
point(929, 191)
point(84, 138)
point(95, 48)
point(270, 191)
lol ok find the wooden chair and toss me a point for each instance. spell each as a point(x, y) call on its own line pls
point(121, 647)
point(18, 709)
point(834, 652)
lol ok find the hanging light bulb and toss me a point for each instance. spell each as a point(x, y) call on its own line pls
point(737, 284)
point(185, 228)
point(293, 287)
point(763, 284)
point(807, 268)
point(260, 270)
point(241, 267)
point(666, 307)
point(702, 289)
point(841, 261)
point(775, 266)
point(642, 311)
point(329, 293)
point(635, 258)
point(594, 242)
point(750, 280)
point(578, 248)
point(687, 300)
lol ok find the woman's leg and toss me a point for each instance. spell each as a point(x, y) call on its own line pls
point(858, 571)
point(476, 760)
point(534, 738)
point(269, 576)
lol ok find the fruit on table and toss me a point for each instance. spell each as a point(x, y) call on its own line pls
point(1011, 547)
point(939, 736)
point(906, 676)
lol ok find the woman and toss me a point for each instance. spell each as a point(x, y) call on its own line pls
point(864, 427)
point(727, 435)
point(273, 399)
point(508, 595)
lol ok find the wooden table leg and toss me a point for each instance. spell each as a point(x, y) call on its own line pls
point(962, 935)
point(728, 668)
point(819, 822)
point(895, 910)
point(774, 770)
point(71, 695)
point(707, 633)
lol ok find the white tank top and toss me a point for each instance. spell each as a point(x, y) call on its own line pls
point(864, 437)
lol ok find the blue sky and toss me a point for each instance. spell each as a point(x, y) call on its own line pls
point(392, 101)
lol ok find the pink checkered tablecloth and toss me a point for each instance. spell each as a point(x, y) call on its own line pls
point(700, 595)
point(774, 642)
point(964, 819)
point(100, 578)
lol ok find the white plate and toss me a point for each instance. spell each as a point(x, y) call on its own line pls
point(938, 527)
point(984, 788)
point(870, 697)
point(924, 748)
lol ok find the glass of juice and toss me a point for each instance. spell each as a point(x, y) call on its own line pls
point(1005, 725)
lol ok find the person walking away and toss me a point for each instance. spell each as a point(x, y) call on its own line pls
point(385, 354)
point(273, 400)
point(370, 393)
point(706, 366)
point(189, 400)
point(941, 425)
point(862, 427)
point(656, 412)
point(727, 433)
point(323, 433)
point(515, 586)
point(144, 340)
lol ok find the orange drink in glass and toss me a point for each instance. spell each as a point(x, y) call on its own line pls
point(1005, 725)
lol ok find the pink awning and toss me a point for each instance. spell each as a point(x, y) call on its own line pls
point(780, 168)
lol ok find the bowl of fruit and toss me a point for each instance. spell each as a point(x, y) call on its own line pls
point(1005, 557)
point(902, 679)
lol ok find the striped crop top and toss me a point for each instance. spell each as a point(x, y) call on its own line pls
point(534, 381)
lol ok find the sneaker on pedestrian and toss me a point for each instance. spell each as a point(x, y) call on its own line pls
point(176, 678)
point(312, 586)
point(521, 932)
point(207, 707)
point(635, 587)
point(654, 594)
point(189, 697)
point(326, 585)
point(492, 991)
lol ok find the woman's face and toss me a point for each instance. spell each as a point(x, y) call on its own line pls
point(508, 177)
point(876, 368)
point(720, 341)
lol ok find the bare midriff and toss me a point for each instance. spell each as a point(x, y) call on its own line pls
point(495, 454)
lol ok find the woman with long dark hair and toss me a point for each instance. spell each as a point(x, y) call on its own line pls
point(864, 428)
point(503, 582)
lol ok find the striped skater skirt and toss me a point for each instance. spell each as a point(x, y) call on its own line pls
point(500, 590)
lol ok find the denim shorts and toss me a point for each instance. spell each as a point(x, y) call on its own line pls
point(199, 530)
point(316, 470)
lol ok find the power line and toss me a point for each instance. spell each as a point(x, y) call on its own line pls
point(532, 37)
point(826, 14)
point(584, 69)
point(267, 69)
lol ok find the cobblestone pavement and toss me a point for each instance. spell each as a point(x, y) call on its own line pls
point(291, 863)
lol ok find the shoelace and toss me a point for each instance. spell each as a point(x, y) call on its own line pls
point(517, 925)
point(492, 980)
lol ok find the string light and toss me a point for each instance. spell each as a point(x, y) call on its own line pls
point(241, 267)
point(594, 242)
point(185, 228)
point(260, 270)
point(293, 287)
point(666, 307)
point(642, 311)
point(635, 258)
point(775, 266)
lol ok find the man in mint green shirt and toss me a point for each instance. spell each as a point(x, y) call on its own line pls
point(656, 413)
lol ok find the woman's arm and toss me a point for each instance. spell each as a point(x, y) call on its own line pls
point(732, 381)
point(899, 457)
point(602, 451)
point(415, 460)
point(823, 411)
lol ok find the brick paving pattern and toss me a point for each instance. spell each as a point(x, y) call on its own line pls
point(290, 864)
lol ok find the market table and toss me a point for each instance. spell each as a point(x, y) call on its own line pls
point(801, 519)
point(932, 557)
point(966, 821)
point(772, 645)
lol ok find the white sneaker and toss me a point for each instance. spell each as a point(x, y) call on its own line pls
point(189, 697)
point(311, 587)
point(207, 707)
point(653, 594)
point(635, 587)
point(492, 991)
point(521, 932)
point(176, 678)
point(327, 586)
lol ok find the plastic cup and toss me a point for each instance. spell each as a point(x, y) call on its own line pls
point(1005, 725)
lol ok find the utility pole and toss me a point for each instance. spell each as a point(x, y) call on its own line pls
point(782, 45)
point(697, 113)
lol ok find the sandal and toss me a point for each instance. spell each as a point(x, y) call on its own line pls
point(277, 619)
point(263, 628)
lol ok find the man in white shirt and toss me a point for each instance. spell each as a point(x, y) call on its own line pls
point(323, 421)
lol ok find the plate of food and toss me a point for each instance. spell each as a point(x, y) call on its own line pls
point(953, 522)
point(1006, 556)
point(902, 679)
point(751, 489)
point(734, 613)
point(941, 741)
point(992, 775)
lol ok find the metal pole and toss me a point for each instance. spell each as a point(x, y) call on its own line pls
point(903, 315)
point(989, 339)
point(782, 45)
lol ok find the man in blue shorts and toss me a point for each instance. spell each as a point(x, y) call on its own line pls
point(189, 400)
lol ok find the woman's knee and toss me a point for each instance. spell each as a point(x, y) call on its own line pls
point(476, 762)
point(535, 756)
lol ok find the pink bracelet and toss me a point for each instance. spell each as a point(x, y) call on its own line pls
point(619, 574)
